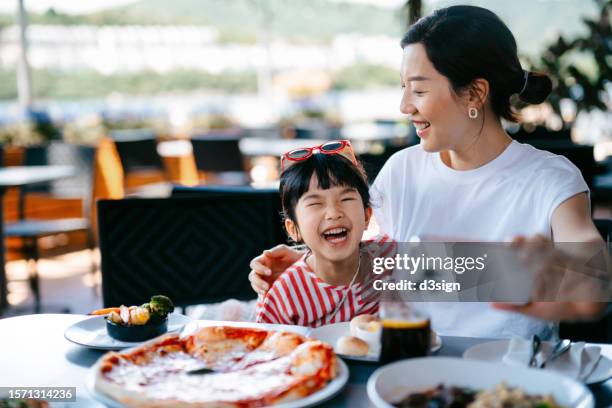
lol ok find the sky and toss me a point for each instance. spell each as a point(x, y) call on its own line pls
point(65, 6)
point(87, 6)
point(380, 3)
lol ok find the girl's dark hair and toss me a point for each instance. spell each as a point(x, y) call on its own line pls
point(331, 170)
point(467, 42)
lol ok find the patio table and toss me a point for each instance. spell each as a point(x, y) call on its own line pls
point(19, 176)
point(35, 353)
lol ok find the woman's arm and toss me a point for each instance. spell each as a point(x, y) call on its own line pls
point(571, 222)
point(268, 266)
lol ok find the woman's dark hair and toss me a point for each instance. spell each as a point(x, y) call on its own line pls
point(332, 170)
point(465, 43)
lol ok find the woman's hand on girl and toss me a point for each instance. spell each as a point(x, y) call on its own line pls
point(268, 266)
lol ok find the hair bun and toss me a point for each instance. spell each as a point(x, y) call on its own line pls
point(536, 88)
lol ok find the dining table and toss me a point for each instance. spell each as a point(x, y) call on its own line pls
point(35, 353)
point(20, 176)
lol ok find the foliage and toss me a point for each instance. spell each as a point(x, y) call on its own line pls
point(565, 60)
point(22, 134)
point(89, 84)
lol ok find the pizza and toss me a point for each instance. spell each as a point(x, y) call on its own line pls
point(249, 367)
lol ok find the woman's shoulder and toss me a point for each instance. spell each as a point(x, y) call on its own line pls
point(537, 160)
point(548, 174)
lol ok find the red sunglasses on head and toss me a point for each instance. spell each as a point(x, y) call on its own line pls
point(341, 147)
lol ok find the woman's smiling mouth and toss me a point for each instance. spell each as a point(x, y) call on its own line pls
point(421, 126)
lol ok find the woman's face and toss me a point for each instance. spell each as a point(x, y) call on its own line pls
point(439, 115)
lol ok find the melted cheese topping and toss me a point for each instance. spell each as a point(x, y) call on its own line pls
point(254, 382)
point(245, 373)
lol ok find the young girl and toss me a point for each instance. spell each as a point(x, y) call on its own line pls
point(326, 205)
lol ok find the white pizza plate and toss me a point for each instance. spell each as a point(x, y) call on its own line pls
point(394, 381)
point(92, 332)
point(330, 390)
point(332, 332)
point(494, 351)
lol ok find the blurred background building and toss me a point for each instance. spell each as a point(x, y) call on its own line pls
point(338, 58)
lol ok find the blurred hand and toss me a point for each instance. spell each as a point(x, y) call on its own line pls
point(569, 285)
point(268, 266)
point(556, 311)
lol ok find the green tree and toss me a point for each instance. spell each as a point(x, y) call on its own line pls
point(581, 68)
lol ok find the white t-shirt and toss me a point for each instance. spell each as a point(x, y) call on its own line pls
point(416, 194)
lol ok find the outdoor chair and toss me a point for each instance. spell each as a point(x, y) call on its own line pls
point(373, 162)
point(269, 196)
point(220, 156)
point(542, 134)
point(137, 149)
point(81, 157)
point(193, 249)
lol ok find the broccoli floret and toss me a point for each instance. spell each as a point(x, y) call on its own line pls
point(160, 306)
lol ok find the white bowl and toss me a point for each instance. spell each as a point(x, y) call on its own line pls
point(394, 381)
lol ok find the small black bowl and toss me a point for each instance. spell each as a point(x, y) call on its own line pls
point(136, 333)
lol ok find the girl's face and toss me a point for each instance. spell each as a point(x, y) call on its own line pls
point(331, 222)
point(439, 115)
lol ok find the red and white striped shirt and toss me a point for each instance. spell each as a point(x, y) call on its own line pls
point(299, 297)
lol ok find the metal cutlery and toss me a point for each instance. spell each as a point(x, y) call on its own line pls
point(536, 342)
point(200, 371)
point(558, 350)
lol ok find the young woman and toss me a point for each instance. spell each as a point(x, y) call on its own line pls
point(467, 178)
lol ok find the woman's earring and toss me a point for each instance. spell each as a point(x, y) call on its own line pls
point(473, 113)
